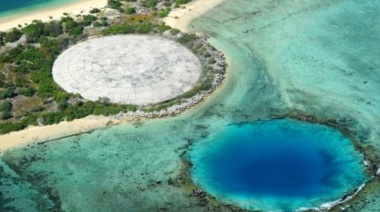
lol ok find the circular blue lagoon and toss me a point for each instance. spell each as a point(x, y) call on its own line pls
point(277, 165)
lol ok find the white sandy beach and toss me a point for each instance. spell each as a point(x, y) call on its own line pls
point(82, 6)
point(179, 19)
point(182, 17)
point(51, 132)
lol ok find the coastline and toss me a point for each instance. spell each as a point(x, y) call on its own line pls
point(181, 18)
point(39, 134)
point(56, 12)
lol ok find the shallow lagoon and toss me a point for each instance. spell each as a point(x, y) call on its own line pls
point(313, 57)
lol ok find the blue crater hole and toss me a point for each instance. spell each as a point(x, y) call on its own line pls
point(278, 164)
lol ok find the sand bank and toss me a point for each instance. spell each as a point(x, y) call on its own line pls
point(74, 8)
point(181, 17)
point(38, 134)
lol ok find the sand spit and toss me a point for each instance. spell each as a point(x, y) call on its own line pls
point(56, 12)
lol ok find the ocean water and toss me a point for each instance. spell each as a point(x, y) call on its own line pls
point(277, 165)
point(11, 8)
point(317, 58)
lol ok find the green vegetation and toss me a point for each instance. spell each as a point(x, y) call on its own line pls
point(151, 3)
point(28, 93)
point(88, 19)
point(5, 110)
point(174, 31)
point(130, 10)
point(124, 28)
point(164, 13)
point(114, 4)
point(53, 29)
point(38, 29)
point(5, 106)
point(12, 35)
point(95, 10)
point(180, 2)
point(187, 38)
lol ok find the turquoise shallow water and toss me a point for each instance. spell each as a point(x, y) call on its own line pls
point(277, 165)
point(17, 7)
point(313, 57)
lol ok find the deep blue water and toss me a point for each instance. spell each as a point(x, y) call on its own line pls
point(306, 55)
point(7, 5)
point(282, 159)
point(14, 7)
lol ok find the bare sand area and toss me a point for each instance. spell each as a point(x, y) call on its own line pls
point(37, 134)
point(55, 12)
point(179, 19)
point(182, 17)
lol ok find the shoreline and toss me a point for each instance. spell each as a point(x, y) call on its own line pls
point(46, 133)
point(181, 18)
point(55, 11)
point(40, 134)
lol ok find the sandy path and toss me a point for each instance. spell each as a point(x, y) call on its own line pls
point(82, 6)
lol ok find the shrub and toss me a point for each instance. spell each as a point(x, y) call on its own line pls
point(7, 93)
point(179, 2)
point(12, 35)
point(97, 24)
point(211, 60)
point(95, 10)
point(6, 106)
point(164, 13)
point(52, 118)
point(88, 19)
point(5, 115)
point(174, 31)
point(34, 31)
point(151, 3)
point(116, 5)
point(62, 105)
point(53, 29)
point(78, 30)
point(130, 10)
point(28, 91)
point(186, 38)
